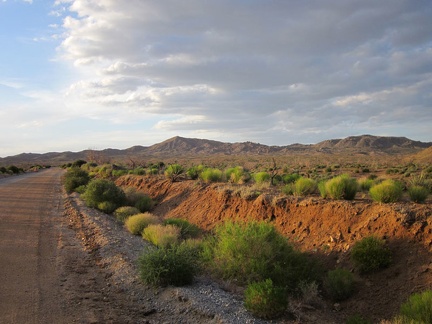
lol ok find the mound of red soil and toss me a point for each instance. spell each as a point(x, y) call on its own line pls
point(326, 229)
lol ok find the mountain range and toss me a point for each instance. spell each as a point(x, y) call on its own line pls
point(183, 147)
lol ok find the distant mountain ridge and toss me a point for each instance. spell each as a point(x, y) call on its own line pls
point(181, 146)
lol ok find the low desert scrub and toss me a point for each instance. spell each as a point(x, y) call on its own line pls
point(103, 195)
point(418, 308)
point(261, 177)
point(138, 199)
point(341, 187)
point(304, 186)
point(176, 265)
point(370, 254)
point(418, 193)
point(357, 319)
point(187, 230)
point(248, 192)
point(137, 223)
point(339, 284)
point(265, 300)
point(254, 251)
point(211, 175)
point(237, 175)
point(365, 184)
point(174, 172)
point(74, 178)
point(387, 191)
point(122, 213)
point(161, 236)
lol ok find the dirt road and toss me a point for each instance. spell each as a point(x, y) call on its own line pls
point(45, 275)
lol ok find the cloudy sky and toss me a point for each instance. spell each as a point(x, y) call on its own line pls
point(79, 74)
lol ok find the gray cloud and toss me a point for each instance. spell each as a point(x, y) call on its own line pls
point(300, 69)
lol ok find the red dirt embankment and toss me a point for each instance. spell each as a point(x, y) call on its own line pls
point(325, 228)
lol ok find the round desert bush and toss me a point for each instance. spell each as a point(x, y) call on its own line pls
point(74, 178)
point(236, 175)
point(211, 175)
point(122, 213)
point(261, 177)
point(304, 186)
point(135, 224)
point(418, 308)
point(103, 191)
point(370, 254)
point(339, 284)
point(290, 178)
point(387, 191)
point(174, 172)
point(265, 300)
point(254, 251)
point(133, 195)
point(341, 187)
point(176, 265)
point(418, 194)
point(365, 184)
point(160, 235)
point(107, 207)
point(145, 204)
point(187, 230)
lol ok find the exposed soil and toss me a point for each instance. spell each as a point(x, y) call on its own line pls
point(326, 229)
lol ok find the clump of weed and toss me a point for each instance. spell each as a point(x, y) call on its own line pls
point(261, 177)
point(211, 175)
point(339, 284)
point(139, 199)
point(370, 254)
point(187, 230)
point(418, 193)
point(304, 186)
point(387, 191)
point(122, 213)
point(176, 265)
point(174, 172)
point(418, 308)
point(137, 223)
point(160, 235)
point(341, 187)
point(265, 300)
point(74, 178)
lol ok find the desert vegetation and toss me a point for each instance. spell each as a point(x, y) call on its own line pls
point(271, 271)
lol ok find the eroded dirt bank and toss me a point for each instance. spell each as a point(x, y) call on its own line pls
point(325, 228)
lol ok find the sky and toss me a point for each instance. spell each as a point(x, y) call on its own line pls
point(96, 74)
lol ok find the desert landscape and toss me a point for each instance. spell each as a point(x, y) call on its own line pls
point(323, 228)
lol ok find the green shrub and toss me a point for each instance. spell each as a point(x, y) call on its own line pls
point(103, 191)
point(135, 224)
point(341, 187)
point(133, 195)
point(145, 204)
point(261, 177)
point(122, 213)
point(14, 169)
point(290, 178)
point(176, 265)
point(386, 192)
point(74, 178)
point(254, 251)
point(418, 194)
point(187, 230)
point(339, 284)
point(370, 254)
point(264, 300)
point(322, 188)
point(211, 175)
point(237, 175)
point(174, 171)
point(160, 235)
point(304, 186)
point(418, 308)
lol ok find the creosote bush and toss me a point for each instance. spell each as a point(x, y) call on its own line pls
point(160, 235)
point(137, 223)
point(387, 191)
point(418, 308)
point(370, 254)
point(339, 284)
point(74, 178)
point(104, 195)
point(122, 213)
point(265, 300)
point(341, 187)
point(176, 265)
point(254, 251)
